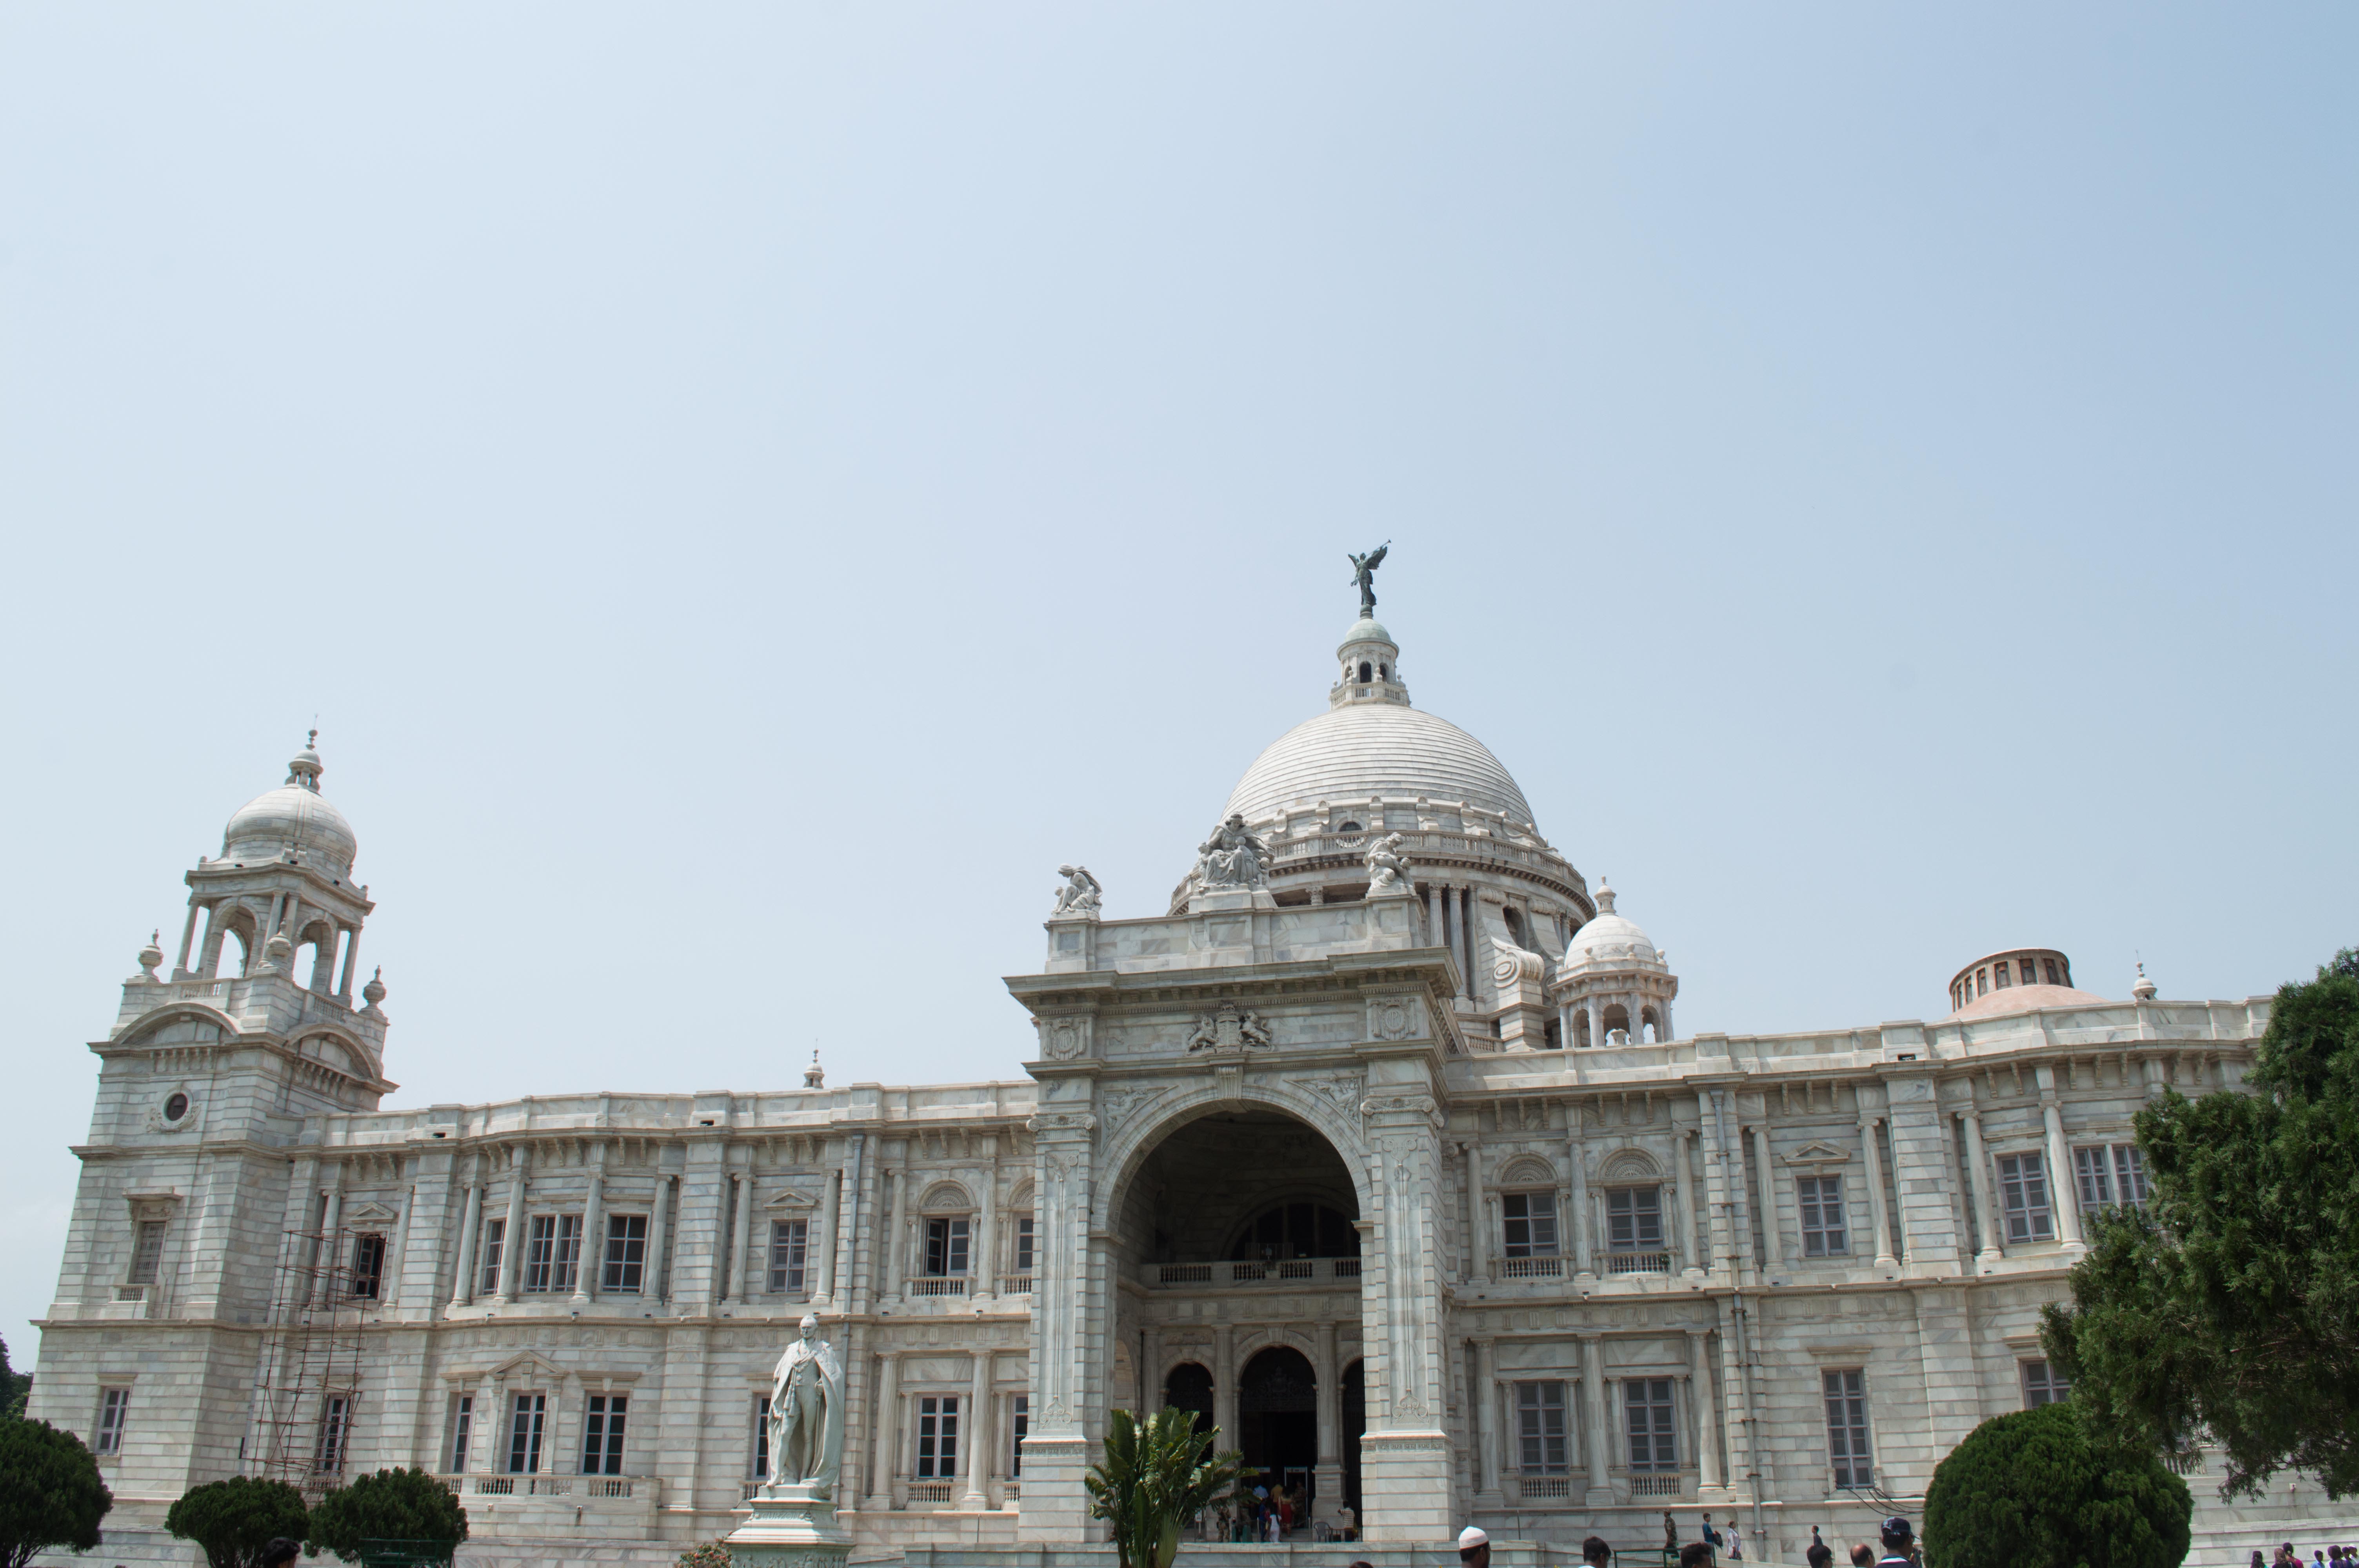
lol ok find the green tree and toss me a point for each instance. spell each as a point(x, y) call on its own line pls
point(14, 1387)
point(2229, 1305)
point(2040, 1490)
point(1158, 1476)
point(392, 1505)
point(233, 1520)
point(51, 1493)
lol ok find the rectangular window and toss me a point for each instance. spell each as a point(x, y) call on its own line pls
point(938, 1421)
point(2023, 1183)
point(328, 1456)
point(539, 1251)
point(1647, 1410)
point(2042, 1386)
point(147, 1252)
point(524, 1434)
point(1022, 1425)
point(627, 1253)
point(762, 1437)
point(1024, 1244)
point(601, 1434)
point(1823, 1216)
point(946, 1246)
point(1530, 1224)
point(368, 1266)
point(1539, 1428)
point(114, 1405)
point(1847, 1449)
point(2000, 974)
point(2051, 971)
point(495, 1233)
point(2111, 1174)
point(1634, 1219)
point(569, 1249)
point(463, 1429)
point(790, 1241)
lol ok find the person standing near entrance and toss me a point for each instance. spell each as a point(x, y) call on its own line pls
point(1473, 1548)
point(1818, 1555)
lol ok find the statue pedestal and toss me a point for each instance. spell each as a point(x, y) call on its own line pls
point(793, 1527)
point(1226, 900)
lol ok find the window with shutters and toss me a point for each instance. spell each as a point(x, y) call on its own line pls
point(789, 1244)
point(147, 1252)
point(1634, 1219)
point(1646, 1417)
point(601, 1434)
point(525, 1420)
point(495, 1233)
point(1540, 1429)
point(539, 1251)
point(463, 1431)
point(762, 1437)
point(946, 1241)
point(113, 1406)
point(1024, 1244)
point(2023, 1191)
point(1823, 1232)
point(569, 1249)
point(1021, 1425)
point(368, 1266)
point(335, 1419)
point(2042, 1385)
point(2111, 1174)
point(1847, 1450)
point(626, 1254)
point(938, 1425)
point(1530, 1223)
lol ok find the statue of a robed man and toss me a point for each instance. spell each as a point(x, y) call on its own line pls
point(806, 1414)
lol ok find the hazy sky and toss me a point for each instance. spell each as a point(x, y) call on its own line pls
point(746, 490)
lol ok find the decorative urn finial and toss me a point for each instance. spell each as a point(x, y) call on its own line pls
point(151, 954)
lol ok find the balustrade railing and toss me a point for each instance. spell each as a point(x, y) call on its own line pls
point(1660, 1484)
point(1637, 1262)
point(931, 1491)
point(939, 1285)
point(1531, 1268)
point(1534, 1488)
point(1016, 1284)
point(1245, 1272)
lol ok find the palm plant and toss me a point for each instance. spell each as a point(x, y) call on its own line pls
point(1159, 1475)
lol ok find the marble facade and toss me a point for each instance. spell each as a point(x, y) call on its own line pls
point(1421, 1194)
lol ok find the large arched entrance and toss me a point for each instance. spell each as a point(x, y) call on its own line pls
point(1237, 1235)
point(1277, 1418)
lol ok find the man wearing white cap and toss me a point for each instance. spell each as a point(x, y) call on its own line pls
point(1474, 1547)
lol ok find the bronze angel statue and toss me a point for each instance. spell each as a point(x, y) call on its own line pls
point(1363, 577)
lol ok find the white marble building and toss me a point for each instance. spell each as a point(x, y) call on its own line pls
point(1381, 1146)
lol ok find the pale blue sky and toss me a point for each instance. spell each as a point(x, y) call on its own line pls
point(747, 491)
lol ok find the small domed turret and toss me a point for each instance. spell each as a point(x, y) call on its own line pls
point(293, 819)
point(2145, 988)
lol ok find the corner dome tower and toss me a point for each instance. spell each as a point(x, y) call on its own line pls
point(294, 818)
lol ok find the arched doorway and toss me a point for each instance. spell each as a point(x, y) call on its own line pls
point(1355, 1425)
point(1189, 1388)
point(1278, 1418)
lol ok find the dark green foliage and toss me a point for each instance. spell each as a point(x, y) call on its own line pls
point(2038, 1489)
point(233, 1520)
point(2230, 1309)
point(392, 1505)
point(51, 1493)
point(14, 1387)
point(1158, 1476)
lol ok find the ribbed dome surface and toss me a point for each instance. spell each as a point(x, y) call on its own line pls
point(1375, 749)
point(1610, 938)
point(290, 817)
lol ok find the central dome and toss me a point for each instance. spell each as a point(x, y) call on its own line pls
point(1359, 749)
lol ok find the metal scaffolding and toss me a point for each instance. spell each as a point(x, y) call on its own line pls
point(307, 1377)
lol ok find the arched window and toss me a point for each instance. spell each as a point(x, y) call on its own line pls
point(1296, 1230)
point(1348, 827)
point(1189, 1388)
point(1384, 672)
point(1366, 670)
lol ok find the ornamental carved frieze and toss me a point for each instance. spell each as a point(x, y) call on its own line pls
point(1119, 1105)
point(1396, 1017)
point(1069, 1123)
point(1229, 1027)
point(1065, 1039)
point(1341, 1091)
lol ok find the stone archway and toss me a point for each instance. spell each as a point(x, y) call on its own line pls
point(1277, 1418)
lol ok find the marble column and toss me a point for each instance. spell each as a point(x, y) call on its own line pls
point(1486, 1393)
point(594, 1244)
point(977, 1428)
point(188, 939)
point(1876, 1205)
point(325, 1284)
point(651, 1278)
point(512, 1232)
point(1774, 1234)
point(1683, 1199)
point(982, 1262)
point(1978, 1176)
point(895, 1243)
point(2064, 1182)
point(472, 1227)
point(1707, 1410)
point(745, 1280)
point(1327, 1479)
point(819, 1274)
point(1584, 1266)
point(1478, 1217)
point(1225, 1383)
point(1593, 1415)
point(884, 1424)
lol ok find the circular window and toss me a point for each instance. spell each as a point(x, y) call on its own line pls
point(176, 1107)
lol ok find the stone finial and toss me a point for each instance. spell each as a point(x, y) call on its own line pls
point(305, 769)
point(276, 952)
point(813, 1076)
point(374, 992)
point(151, 954)
point(2145, 988)
point(1604, 896)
